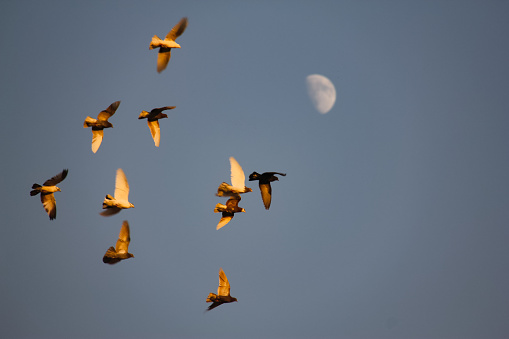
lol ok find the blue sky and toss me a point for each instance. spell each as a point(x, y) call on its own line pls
point(392, 221)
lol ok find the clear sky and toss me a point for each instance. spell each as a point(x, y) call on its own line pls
point(392, 221)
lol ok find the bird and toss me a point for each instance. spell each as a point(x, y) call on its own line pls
point(99, 124)
point(113, 205)
point(228, 210)
point(153, 121)
point(223, 293)
point(120, 252)
point(167, 44)
point(47, 189)
point(264, 184)
point(238, 181)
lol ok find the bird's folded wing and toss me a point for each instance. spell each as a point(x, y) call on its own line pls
point(50, 206)
point(56, 179)
point(177, 30)
point(121, 186)
point(155, 131)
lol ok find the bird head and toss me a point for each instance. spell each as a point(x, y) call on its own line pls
point(130, 255)
point(253, 176)
point(243, 210)
point(131, 205)
point(107, 124)
point(58, 189)
point(234, 299)
point(163, 116)
point(247, 189)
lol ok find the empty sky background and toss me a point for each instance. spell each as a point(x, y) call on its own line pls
point(393, 220)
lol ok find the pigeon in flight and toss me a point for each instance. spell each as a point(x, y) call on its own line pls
point(167, 44)
point(99, 124)
point(264, 184)
point(47, 189)
point(113, 205)
point(223, 292)
point(238, 181)
point(120, 252)
point(228, 210)
point(153, 121)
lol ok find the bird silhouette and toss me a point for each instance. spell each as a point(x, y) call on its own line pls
point(238, 181)
point(167, 44)
point(264, 184)
point(223, 293)
point(113, 205)
point(99, 124)
point(46, 190)
point(153, 121)
point(120, 252)
point(228, 210)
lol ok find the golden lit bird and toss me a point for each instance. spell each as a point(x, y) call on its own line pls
point(228, 210)
point(46, 190)
point(99, 124)
point(167, 44)
point(113, 205)
point(223, 293)
point(120, 252)
point(153, 121)
point(238, 181)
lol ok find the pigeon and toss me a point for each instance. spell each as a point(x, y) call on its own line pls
point(99, 124)
point(228, 210)
point(113, 205)
point(238, 181)
point(264, 184)
point(167, 44)
point(47, 189)
point(223, 293)
point(153, 121)
point(120, 252)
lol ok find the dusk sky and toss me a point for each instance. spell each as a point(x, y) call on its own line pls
point(392, 220)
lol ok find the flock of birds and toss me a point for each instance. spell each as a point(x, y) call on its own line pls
point(120, 199)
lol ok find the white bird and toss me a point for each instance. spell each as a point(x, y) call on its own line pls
point(120, 252)
point(167, 44)
point(113, 205)
point(99, 124)
point(238, 181)
point(47, 189)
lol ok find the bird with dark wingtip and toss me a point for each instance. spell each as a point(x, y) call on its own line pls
point(99, 124)
point(120, 252)
point(153, 121)
point(264, 184)
point(167, 44)
point(228, 210)
point(47, 189)
point(223, 293)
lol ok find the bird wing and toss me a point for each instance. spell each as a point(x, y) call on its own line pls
point(266, 191)
point(160, 109)
point(155, 131)
point(272, 173)
point(177, 30)
point(163, 57)
point(214, 305)
point(121, 186)
point(57, 178)
point(110, 257)
point(233, 203)
point(237, 174)
point(226, 218)
point(97, 138)
point(108, 112)
point(50, 206)
point(224, 285)
point(124, 238)
point(110, 211)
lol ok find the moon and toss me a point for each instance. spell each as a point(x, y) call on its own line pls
point(322, 92)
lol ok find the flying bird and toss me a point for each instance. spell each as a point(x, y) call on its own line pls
point(153, 121)
point(167, 44)
point(113, 205)
point(120, 252)
point(264, 184)
point(99, 124)
point(47, 189)
point(238, 181)
point(223, 293)
point(228, 210)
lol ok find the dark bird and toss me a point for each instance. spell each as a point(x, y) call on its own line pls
point(153, 121)
point(120, 252)
point(264, 184)
point(167, 44)
point(223, 293)
point(238, 181)
point(47, 189)
point(228, 210)
point(99, 124)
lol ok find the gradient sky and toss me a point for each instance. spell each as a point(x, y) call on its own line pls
point(392, 221)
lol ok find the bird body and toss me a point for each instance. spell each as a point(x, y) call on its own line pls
point(165, 46)
point(264, 181)
point(46, 190)
point(153, 121)
point(120, 252)
point(223, 293)
point(113, 205)
point(99, 124)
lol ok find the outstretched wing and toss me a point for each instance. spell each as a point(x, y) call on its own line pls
point(214, 305)
point(160, 109)
point(108, 112)
point(225, 219)
point(110, 211)
point(97, 139)
point(177, 30)
point(224, 285)
point(121, 186)
point(266, 191)
point(124, 238)
point(110, 257)
point(50, 206)
point(57, 178)
point(163, 57)
point(155, 130)
point(237, 174)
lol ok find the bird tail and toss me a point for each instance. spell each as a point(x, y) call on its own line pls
point(222, 189)
point(35, 189)
point(219, 208)
point(211, 298)
point(143, 115)
point(105, 202)
point(156, 42)
point(88, 122)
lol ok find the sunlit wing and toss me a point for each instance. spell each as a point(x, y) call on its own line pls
point(163, 57)
point(237, 174)
point(266, 191)
point(108, 112)
point(124, 238)
point(50, 206)
point(121, 186)
point(56, 179)
point(233, 203)
point(226, 218)
point(177, 30)
point(110, 211)
point(224, 285)
point(155, 130)
point(97, 138)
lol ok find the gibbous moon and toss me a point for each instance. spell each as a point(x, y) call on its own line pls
point(322, 92)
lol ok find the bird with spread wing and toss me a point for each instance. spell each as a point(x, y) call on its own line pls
point(99, 124)
point(264, 184)
point(113, 205)
point(153, 121)
point(238, 181)
point(120, 252)
point(223, 293)
point(167, 44)
point(46, 190)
